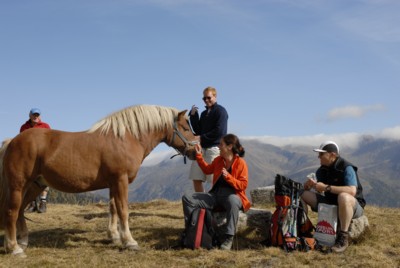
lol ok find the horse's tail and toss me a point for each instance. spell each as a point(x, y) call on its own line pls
point(3, 182)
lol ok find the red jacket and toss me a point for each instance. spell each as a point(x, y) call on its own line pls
point(28, 125)
point(238, 178)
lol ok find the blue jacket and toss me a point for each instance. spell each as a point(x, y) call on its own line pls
point(211, 127)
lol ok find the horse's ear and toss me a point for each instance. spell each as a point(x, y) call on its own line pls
point(182, 113)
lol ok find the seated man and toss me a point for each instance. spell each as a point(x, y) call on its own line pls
point(339, 181)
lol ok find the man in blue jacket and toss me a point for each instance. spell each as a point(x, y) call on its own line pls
point(211, 126)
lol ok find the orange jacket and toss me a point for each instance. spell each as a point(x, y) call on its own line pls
point(238, 178)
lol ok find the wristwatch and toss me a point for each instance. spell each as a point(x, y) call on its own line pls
point(328, 188)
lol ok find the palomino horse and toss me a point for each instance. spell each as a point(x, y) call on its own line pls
point(106, 156)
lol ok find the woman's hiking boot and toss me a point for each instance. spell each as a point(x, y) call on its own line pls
point(342, 242)
point(227, 244)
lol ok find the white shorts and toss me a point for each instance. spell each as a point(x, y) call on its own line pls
point(195, 171)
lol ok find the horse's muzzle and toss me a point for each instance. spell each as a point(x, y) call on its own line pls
point(191, 154)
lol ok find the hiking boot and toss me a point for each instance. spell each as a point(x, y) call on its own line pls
point(227, 244)
point(31, 207)
point(342, 242)
point(42, 207)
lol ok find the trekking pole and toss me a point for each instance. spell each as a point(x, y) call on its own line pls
point(296, 210)
point(291, 209)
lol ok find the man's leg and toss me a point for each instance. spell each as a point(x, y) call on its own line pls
point(198, 186)
point(42, 208)
point(346, 205)
point(309, 198)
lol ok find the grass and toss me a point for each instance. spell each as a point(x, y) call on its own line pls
point(75, 236)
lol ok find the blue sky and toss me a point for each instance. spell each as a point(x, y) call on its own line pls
point(282, 68)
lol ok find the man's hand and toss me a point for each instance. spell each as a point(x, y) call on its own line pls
point(309, 184)
point(194, 110)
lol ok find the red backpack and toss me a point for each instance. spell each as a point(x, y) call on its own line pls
point(291, 228)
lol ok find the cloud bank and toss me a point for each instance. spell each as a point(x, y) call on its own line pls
point(351, 140)
point(352, 111)
point(345, 139)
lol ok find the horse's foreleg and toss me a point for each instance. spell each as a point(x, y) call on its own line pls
point(11, 217)
point(120, 193)
point(22, 229)
point(112, 231)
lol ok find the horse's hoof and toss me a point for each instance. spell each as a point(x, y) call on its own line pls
point(133, 247)
point(116, 241)
point(19, 253)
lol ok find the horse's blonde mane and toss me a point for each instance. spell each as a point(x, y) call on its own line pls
point(137, 120)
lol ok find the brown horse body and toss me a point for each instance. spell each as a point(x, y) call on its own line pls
point(109, 155)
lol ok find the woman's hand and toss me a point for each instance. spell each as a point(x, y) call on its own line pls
point(197, 146)
point(225, 172)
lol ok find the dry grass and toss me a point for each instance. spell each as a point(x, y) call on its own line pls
point(75, 236)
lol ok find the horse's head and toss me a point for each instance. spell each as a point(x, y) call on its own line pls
point(183, 139)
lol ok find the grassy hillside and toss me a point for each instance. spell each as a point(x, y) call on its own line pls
point(75, 236)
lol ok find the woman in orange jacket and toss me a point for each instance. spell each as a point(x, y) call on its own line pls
point(230, 180)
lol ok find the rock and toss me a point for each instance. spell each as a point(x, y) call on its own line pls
point(263, 195)
point(254, 219)
point(358, 227)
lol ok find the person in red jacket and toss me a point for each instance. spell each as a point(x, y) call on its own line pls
point(36, 122)
point(230, 180)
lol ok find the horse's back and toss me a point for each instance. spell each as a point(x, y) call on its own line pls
point(71, 161)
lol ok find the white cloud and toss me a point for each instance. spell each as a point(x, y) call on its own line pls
point(346, 139)
point(351, 140)
point(390, 133)
point(352, 111)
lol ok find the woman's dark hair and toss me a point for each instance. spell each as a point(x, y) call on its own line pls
point(237, 148)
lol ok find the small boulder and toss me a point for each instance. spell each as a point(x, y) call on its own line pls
point(263, 195)
point(358, 227)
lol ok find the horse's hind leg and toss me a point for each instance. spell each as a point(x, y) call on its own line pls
point(11, 217)
point(113, 232)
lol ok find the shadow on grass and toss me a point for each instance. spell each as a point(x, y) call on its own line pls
point(89, 216)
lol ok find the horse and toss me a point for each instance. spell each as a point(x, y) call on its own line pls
point(108, 155)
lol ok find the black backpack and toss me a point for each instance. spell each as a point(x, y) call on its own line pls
point(200, 233)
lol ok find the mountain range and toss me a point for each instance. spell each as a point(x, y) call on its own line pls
point(377, 159)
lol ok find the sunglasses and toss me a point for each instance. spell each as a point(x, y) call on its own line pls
point(207, 98)
point(36, 114)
